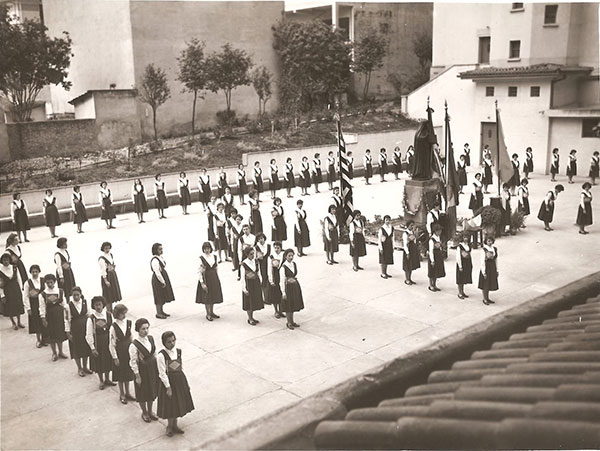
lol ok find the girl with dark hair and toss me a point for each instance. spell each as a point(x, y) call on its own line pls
point(317, 175)
point(204, 189)
point(174, 397)
point(78, 208)
point(227, 200)
point(31, 292)
point(142, 360)
point(64, 271)
point(263, 250)
point(383, 164)
point(523, 196)
point(528, 165)
point(111, 290)
point(291, 300)
point(209, 291)
point(252, 296)
point(464, 265)
point(385, 245)
point(279, 229)
point(436, 258)
point(506, 210)
point(105, 198)
point(368, 165)
point(546, 212)
point(330, 170)
point(160, 196)
point(75, 328)
point(221, 236)
point(476, 201)
point(221, 182)
point(257, 179)
point(290, 182)
point(330, 235)
point(594, 168)
point(246, 240)
point(52, 308)
point(488, 273)
point(516, 177)
point(242, 184)
point(11, 295)
point(235, 232)
point(411, 259)
point(161, 284)
point(397, 161)
point(488, 178)
point(410, 159)
point(255, 218)
point(274, 178)
point(138, 197)
point(119, 343)
point(584, 212)
point(305, 176)
point(350, 160)
point(51, 212)
point(16, 255)
point(97, 337)
point(301, 233)
point(20, 216)
point(210, 217)
point(273, 290)
point(185, 200)
point(554, 165)
point(467, 154)
point(572, 165)
point(358, 247)
point(461, 169)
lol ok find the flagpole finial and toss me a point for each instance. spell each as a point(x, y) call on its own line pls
point(446, 104)
point(496, 103)
point(427, 101)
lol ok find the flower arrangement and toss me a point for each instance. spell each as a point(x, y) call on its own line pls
point(517, 221)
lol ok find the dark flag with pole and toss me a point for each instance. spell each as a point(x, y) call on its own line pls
point(345, 186)
point(502, 159)
point(452, 183)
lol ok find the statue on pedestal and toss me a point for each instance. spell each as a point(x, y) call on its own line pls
point(425, 139)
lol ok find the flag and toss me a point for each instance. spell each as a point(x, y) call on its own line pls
point(452, 184)
point(501, 159)
point(346, 187)
point(426, 163)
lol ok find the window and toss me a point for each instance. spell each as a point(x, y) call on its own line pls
point(484, 49)
point(550, 14)
point(515, 50)
point(517, 6)
point(489, 91)
point(512, 91)
point(534, 91)
point(590, 128)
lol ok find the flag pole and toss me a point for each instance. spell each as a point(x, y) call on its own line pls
point(446, 138)
point(497, 147)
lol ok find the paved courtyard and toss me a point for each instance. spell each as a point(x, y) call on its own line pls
point(352, 322)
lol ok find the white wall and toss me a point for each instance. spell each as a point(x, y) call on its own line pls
point(86, 109)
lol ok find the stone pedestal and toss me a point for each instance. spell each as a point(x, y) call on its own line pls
point(414, 198)
point(496, 202)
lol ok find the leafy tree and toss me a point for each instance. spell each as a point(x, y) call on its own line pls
point(227, 70)
point(192, 73)
point(314, 57)
point(30, 60)
point(155, 90)
point(369, 52)
point(261, 80)
point(422, 48)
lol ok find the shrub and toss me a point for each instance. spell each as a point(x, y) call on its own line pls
point(517, 220)
point(226, 118)
point(490, 216)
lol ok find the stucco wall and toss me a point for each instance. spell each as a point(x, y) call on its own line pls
point(160, 30)
point(565, 92)
point(565, 133)
point(589, 41)
point(117, 119)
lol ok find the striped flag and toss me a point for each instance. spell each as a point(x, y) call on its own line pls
point(345, 186)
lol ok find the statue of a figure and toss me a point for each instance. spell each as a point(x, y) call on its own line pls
point(424, 140)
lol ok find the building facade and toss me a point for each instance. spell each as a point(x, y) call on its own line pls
point(538, 61)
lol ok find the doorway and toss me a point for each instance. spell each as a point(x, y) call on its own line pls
point(488, 137)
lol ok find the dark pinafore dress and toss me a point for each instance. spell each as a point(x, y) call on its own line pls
point(274, 180)
point(55, 316)
point(490, 282)
point(160, 201)
point(140, 205)
point(305, 175)
point(411, 259)
point(257, 180)
point(331, 245)
point(263, 266)
point(180, 402)
point(330, 170)
point(301, 233)
point(293, 301)
point(465, 276)
point(397, 160)
point(221, 184)
point(110, 294)
point(214, 292)
point(108, 211)
point(68, 278)
point(524, 206)
point(584, 215)
point(257, 226)
point(242, 184)
point(547, 214)
point(148, 389)
point(21, 222)
point(13, 305)
point(206, 191)
point(184, 194)
point(18, 262)
point(78, 347)
point(254, 299)
point(228, 205)
point(123, 372)
point(279, 231)
point(51, 213)
point(359, 248)
point(33, 320)
point(436, 269)
point(506, 210)
point(103, 363)
point(386, 254)
point(290, 180)
point(80, 213)
point(383, 166)
point(273, 291)
point(165, 294)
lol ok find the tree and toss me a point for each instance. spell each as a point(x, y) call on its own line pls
point(192, 73)
point(227, 70)
point(261, 80)
point(422, 48)
point(30, 60)
point(314, 57)
point(369, 52)
point(154, 91)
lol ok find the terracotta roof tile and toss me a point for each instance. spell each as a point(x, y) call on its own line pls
point(516, 71)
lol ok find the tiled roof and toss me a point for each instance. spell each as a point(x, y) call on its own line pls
point(539, 389)
point(535, 70)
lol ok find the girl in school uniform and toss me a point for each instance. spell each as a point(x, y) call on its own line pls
point(330, 235)
point(75, 328)
point(301, 232)
point(209, 291)
point(221, 182)
point(336, 200)
point(142, 360)
point(290, 181)
point(246, 239)
point(594, 167)
point(350, 160)
point(279, 230)
point(227, 200)
point(476, 201)
point(572, 165)
point(488, 272)
point(51, 212)
point(433, 217)
point(185, 200)
point(105, 198)
point(410, 159)
point(174, 396)
point(523, 197)
point(252, 296)
point(11, 295)
point(488, 179)
point(383, 164)
point(411, 259)
point(317, 174)
point(52, 308)
point(584, 212)
point(31, 292)
point(263, 250)
point(435, 268)
point(546, 212)
point(161, 284)
point(397, 162)
point(255, 218)
point(528, 165)
point(358, 247)
point(138, 197)
point(231, 222)
point(516, 177)
point(64, 270)
point(554, 165)
point(305, 176)
point(257, 179)
point(210, 217)
point(16, 255)
point(291, 300)
point(111, 290)
point(274, 178)
point(236, 231)
point(368, 165)
point(242, 184)
point(221, 235)
point(330, 170)
point(204, 189)
point(461, 169)
point(505, 197)
point(78, 208)
point(20, 216)
point(385, 245)
point(464, 265)
point(467, 154)
point(160, 196)
point(97, 337)
point(273, 292)
point(120, 337)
